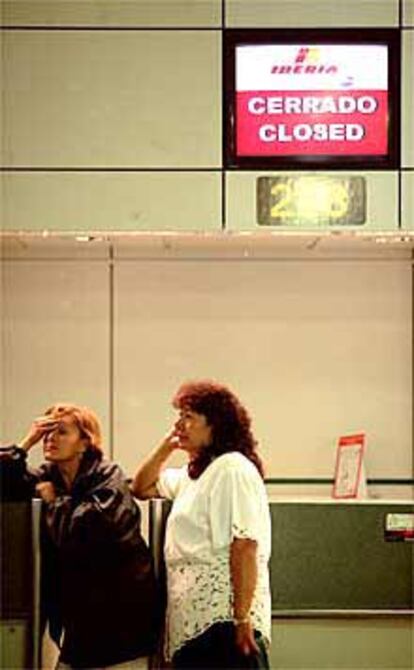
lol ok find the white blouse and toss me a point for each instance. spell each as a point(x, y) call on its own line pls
point(227, 501)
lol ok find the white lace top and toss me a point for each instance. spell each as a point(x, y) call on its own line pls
point(227, 501)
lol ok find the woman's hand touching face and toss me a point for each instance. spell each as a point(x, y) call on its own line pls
point(172, 439)
point(37, 431)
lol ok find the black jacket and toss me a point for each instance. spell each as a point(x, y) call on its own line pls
point(97, 576)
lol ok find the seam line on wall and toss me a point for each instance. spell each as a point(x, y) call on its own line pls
point(216, 259)
point(111, 353)
point(223, 102)
point(218, 169)
point(109, 29)
point(399, 199)
point(27, 168)
point(398, 481)
point(155, 28)
point(223, 201)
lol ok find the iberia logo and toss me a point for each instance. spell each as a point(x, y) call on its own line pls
point(307, 61)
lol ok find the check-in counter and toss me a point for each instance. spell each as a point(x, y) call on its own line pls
point(342, 583)
point(341, 574)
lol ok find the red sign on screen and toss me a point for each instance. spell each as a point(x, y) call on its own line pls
point(313, 100)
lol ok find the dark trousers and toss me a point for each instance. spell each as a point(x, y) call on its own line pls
point(216, 648)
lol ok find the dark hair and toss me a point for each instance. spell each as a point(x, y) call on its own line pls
point(228, 419)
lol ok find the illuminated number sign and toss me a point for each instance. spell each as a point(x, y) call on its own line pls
point(311, 200)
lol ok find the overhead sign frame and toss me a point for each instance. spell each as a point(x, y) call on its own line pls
point(311, 99)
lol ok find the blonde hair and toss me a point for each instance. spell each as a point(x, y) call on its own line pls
point(85, 419)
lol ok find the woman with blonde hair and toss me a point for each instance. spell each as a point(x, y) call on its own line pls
point(98, 590)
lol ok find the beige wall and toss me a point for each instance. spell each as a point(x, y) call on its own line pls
point(55, 339)
point(317, 344)
point(67, 201)
point(112, 98)
point(342, 644)
point(407, 110)
point(136, 85)
point(120, 130)
point(408, 13)
point(141, 13)
point(295, 13)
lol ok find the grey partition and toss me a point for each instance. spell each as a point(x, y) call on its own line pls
point(159, 509)
point(20, 585)
point(336, 556)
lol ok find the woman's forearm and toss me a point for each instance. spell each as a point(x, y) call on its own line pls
point(143, 485)
point(243, 569)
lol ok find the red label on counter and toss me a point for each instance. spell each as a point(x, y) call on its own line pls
point(348, 467)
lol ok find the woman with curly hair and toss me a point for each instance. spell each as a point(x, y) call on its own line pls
point(98, 587)
point(217, 543)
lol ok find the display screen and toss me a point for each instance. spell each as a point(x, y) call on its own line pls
point(324, 98)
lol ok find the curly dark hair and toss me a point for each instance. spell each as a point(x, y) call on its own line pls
point(229, 420)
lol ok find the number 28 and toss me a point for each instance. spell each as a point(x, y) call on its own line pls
point(287, 202)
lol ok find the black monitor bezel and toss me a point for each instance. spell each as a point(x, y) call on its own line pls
point(336, 36)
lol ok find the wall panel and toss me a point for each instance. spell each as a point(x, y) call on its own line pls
point(408, 12)
point(381, 195)
point(360, 644)
point(317, 13)
point(315, 350)
point(112, 99)
point(136, 13)
point(407, 111)
point(137, 201)
point(55, 344)
point(408, 200)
